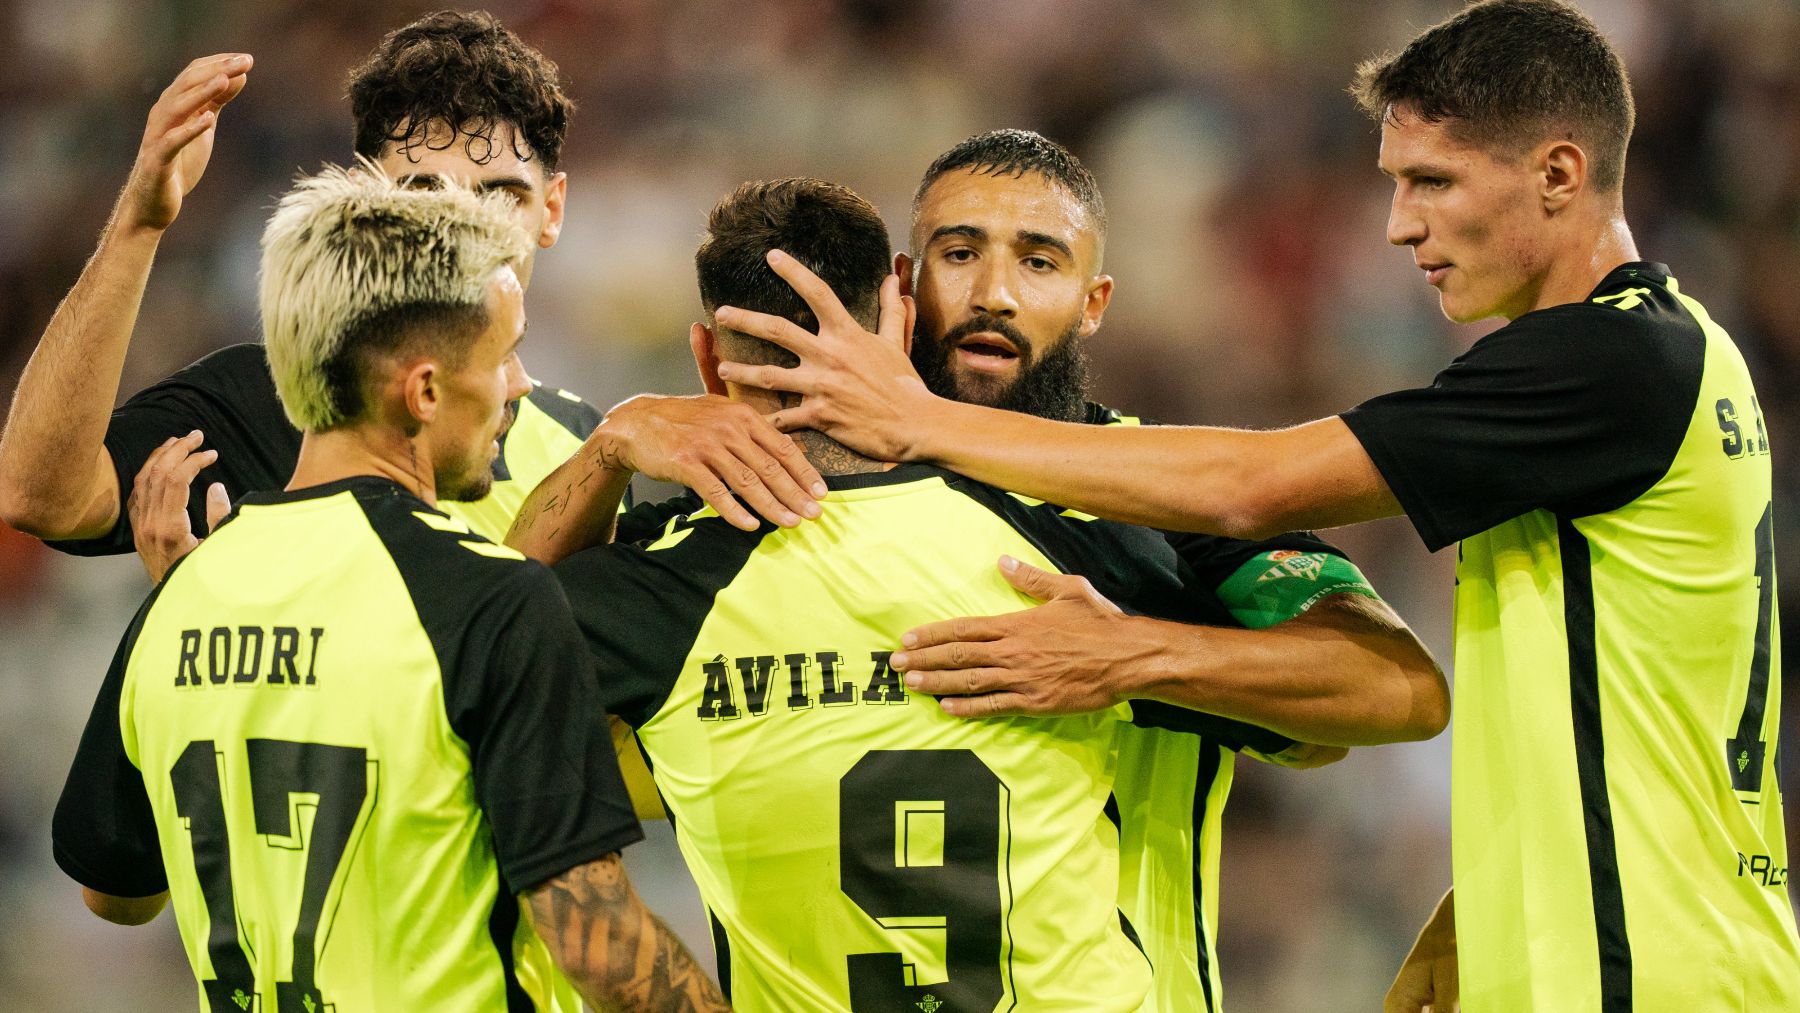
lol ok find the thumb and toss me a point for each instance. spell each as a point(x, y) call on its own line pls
point(218, 504)
point(1040, 584)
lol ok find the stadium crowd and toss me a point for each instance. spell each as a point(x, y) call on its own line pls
point(1246, 236)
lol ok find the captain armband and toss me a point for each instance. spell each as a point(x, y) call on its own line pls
point(1278, 585)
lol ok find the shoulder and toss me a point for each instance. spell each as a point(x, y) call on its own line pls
point(452, 573)
point(1123, 561)
point(565, 409)
point(1632, 329)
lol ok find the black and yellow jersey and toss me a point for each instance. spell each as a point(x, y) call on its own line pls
point(1172, 785)
point(344, 734)
point(857, 848)
point(230, 397)
point(1617, 822)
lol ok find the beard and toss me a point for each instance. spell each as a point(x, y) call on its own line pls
point(474, 479)
point(1053, 387)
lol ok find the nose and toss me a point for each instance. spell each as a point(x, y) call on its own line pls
point(994, 293)
point(518, 382)
point(1405, 226)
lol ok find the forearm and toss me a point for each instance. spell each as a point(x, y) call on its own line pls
point(574, 507)
point(617, 954)
point(1239, 483)
point(1345, 678)
point(56, 479)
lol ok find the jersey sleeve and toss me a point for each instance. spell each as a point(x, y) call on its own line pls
point(230, 397)
point(644, 521)
point(104, 832)
point(1232, 734)
point(544, 769)
point(641, 606)
point(1575, 409)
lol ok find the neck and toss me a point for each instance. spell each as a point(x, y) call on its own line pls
point(365, 450)
point(1579, 268)
point(825, 453)
point(832, 457)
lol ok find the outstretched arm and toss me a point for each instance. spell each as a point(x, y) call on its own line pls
point(56, 477)
point(860, 389)
point(618, 955)
point(1347, 672)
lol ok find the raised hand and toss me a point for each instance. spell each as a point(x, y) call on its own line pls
point(858, 388)
point(178, 139)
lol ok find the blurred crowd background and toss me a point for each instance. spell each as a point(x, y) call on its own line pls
point(1254, 288)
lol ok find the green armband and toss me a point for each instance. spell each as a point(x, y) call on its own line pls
point(1278, 585)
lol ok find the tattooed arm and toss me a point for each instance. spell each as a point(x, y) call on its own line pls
point(719, 448)
point(618, 954)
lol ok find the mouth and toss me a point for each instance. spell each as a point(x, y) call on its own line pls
point(1434, 272)
point(988, 352)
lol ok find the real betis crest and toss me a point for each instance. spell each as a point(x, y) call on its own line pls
point(929, 1004)
point(1288, 563)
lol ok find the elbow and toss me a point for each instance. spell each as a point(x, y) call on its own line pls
point(28, 514)
point(124, 910)
point(1429, 713)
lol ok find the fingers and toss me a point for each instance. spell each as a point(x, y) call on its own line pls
point(991, 705)
point(218, 505)
point(1041, 584)
point(205, 67)
point(184, 134)
point(780, 330)
point(969, 629)
point(772, 468)
point(718, 496)
point(792, 459)
point(892, 327)
point(788, 420)
point(819, 297)
point(793, 379)
point(202, 87)
point(961, 682)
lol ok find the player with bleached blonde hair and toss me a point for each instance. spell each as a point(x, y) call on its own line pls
point(346, 641)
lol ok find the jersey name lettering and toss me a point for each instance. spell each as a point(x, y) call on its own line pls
point(244, 655)
point(817, 677)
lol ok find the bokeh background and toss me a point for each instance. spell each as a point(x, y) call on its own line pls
point(1254, 288)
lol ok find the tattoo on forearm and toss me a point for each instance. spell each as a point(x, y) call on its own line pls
point(618, 954)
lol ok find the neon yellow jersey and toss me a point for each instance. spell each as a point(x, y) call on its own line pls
point(344, 734)
point(857, 848)
point(229, 396)
point(1617, 820)
point(1172, 785)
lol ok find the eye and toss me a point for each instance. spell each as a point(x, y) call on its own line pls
point(1038, 263)
point(1432, 183)
point(959, 255)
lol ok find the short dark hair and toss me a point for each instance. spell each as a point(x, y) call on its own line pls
point(1013, 152)
point(837, 234)
point(1508, 74)
point(466, 70)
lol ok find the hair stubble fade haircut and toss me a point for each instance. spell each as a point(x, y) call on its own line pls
point(1013, 152)
point(356, 269)
point(837, 234)
point(1506, 75)
point(463, 70)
